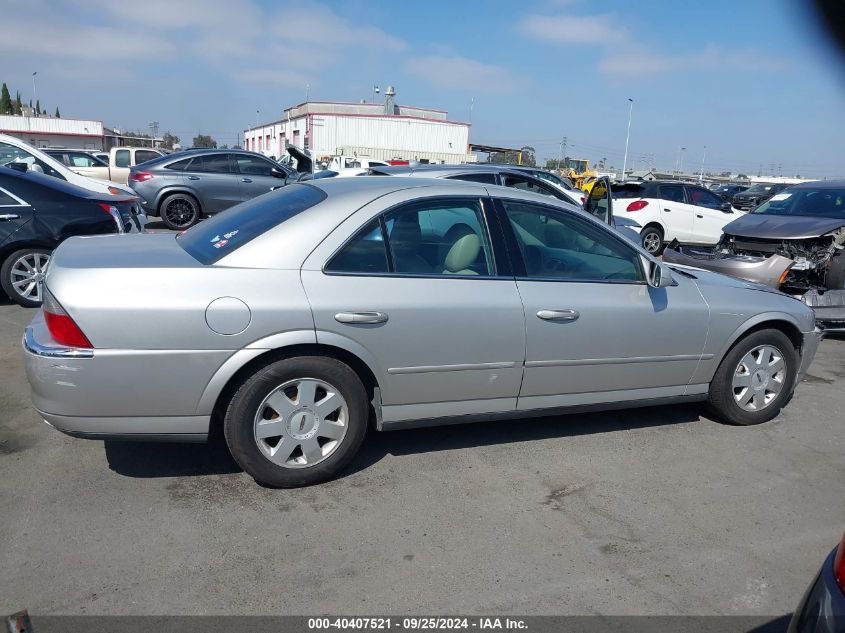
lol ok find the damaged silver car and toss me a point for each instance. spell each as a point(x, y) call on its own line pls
point(795, 241)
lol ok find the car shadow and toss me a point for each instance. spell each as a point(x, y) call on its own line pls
point(150, 460)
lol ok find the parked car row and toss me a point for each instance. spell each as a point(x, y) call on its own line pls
point(115, 168)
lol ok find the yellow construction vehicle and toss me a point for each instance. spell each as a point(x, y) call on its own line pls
point(579, 172)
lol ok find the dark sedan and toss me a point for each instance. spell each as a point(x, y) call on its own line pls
point(727, 192)
point(184, 187)
point(822, 609)
point(37, 213)
point(756, 195)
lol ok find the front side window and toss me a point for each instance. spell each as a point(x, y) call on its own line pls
point(433, 238)
point(252, 165)
point(557, 245)
point(211, 164)
point(703, 198)
point(122, 158)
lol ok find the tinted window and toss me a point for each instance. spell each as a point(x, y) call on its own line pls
point(179, 165)
point(224, 233)
point(487, 179)
point(211, 163)
point(629, 190)
point(252, 165)
point(440, 238)
point(143, 155)
point(557, 245)
point(122, 158)
point(11, 154)
point(673, 193)
point(365, 253)
point(7, 200)
point(703, 198)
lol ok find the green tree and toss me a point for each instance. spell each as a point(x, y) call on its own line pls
point(58, 116)
point(168, 140)
point(138, 140)
point(17, 106)
point(5, 100)
point(203, 140)
point(37, 107)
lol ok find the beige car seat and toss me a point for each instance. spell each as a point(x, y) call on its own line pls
point(464, 249)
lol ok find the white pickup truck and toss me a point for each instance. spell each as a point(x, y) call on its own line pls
point(121, 159)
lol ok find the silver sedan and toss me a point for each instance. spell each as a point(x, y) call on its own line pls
point(297, 320)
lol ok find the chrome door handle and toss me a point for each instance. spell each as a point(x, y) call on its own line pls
point(361, 317)
point(9, 216)
point(246, 179)
point(193, 177)
point(558, 315)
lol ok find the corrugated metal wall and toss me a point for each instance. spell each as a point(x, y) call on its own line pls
point(49, 125)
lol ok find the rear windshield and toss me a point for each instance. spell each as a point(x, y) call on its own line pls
point(630, 190)
point(213, 239)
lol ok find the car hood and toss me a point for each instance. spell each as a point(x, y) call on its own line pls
point(782, 227)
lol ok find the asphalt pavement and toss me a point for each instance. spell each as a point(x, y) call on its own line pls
point(648, 511)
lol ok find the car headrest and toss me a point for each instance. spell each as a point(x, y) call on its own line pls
point(464, 249)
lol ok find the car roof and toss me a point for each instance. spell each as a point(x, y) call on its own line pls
point(434, 171)
point(820, 184)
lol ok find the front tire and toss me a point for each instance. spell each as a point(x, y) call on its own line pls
point(755, 379)
point(22, 276)
point(297, 421)
point(651, 238)
point(179, 211)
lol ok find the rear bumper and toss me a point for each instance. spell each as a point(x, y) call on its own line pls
point(127, 394)
point(762, 270)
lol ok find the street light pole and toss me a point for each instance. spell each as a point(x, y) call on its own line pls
point(703, 157)
point(34, 92)
point(627, 137)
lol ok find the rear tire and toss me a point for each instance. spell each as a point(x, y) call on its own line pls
point(21, 275)
point(755, 379)
point(295, 411)
point(179, 211)
point(651, 237)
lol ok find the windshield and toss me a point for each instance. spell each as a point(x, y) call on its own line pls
point(761, 188)
point(824, 203)
point(217, 237)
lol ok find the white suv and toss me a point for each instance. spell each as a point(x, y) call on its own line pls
point(673, 210)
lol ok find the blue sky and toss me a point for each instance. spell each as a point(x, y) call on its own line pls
point(753, 80)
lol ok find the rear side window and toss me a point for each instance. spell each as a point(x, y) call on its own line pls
point(366, 253)
point(211, 163)
point(213, 239)
point(487, 179)
point(121, 158)
point(674, 193)
point(179, 165)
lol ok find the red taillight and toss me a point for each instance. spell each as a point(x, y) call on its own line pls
point(140, 176)
point(62, 328)
point(637, 205)
point(839, 565)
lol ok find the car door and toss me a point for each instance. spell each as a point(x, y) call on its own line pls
point(256, 175)
point(596, 332)
point(442, 327)
point(15, 212)
point(709, 218)
point(677, 216)
point(211, 177)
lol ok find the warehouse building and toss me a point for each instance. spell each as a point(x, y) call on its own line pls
point(385, 131)
point(44, 131)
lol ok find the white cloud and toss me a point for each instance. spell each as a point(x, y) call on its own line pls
point(641, 61)
point(572, 29)
point(462, 73)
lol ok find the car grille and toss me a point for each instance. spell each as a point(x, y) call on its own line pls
point(750, 245)
point(744, 204)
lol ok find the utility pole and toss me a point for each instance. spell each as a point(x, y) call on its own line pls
point(307, 91)
point(562, 150)
point(154, 130)
point(681, 160)
point(701, 175)
point(34, 91)
point(627, 136)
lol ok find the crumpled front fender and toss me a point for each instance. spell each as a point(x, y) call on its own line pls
point(762, 270)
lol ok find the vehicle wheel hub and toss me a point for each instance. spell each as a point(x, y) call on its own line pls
point(759, 378)
point(303, 424)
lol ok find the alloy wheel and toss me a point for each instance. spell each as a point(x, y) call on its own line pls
point(301, 423)
point(27, 275)
point(651, 242)
point(180, 212)
point(759, 378)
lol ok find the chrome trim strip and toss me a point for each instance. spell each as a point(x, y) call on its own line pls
point(423, 369)
point(616, 361)
point(34, 347)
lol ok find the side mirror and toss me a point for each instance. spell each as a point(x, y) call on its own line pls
point(726, 207)
point(278, 173)
point(658, 274)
